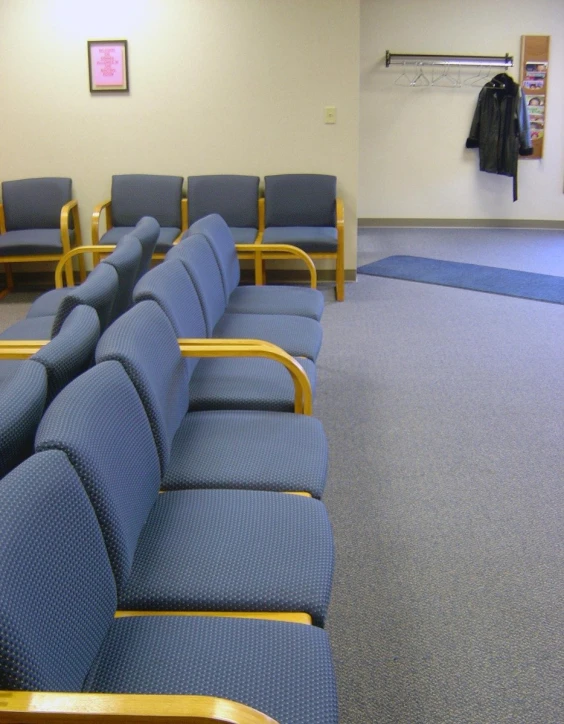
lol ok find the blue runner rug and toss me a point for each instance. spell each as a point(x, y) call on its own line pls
point(542, 287)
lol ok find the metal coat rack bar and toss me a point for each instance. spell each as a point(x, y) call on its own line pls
point(490, 61)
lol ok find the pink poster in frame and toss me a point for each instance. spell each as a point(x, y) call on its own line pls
point(107, 65)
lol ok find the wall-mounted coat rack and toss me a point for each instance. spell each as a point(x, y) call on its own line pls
point(489, 61)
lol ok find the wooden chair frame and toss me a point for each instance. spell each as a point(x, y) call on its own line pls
point(339, 255)
point(36, 707)
point(70, 209)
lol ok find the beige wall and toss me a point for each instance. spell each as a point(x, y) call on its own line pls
point(413, 163)
point(217, 86)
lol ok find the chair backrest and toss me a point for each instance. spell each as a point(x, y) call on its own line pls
point(125, 259)
point(57, 591)
point(147, 231)
point(170, 286)
point(201, 264)
point(220, 238)
point(71, 351)
point(138, 195)
point(98, 290)
point(35, 203)
point(300, 199)
point(145, 344)
point(234, 197)
point(117, 461)
point(23, 401)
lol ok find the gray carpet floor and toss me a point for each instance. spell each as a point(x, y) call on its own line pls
point(444, 412)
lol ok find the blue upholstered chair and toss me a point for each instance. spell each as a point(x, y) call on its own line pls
point(64, 357)
point(234, 197)
point(99, 291)
point(299, 336)
point(185, 550)
point(58, 632)
point(219, 383)
point(303, 210)
point(24, 395)
point(136, 195)
point(297, 300)
point(38, 223)
point(238, 449)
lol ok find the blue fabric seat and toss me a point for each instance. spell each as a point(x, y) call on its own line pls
point(24, 396)
point(203, 550)
point(39, 222)
point(234, 197)
point(303, 210)
point(253, 450)
point(99, 291)
point(223, 383)
point(134, 196)
point(58, 633)
point(301, 301)
point(299, 336)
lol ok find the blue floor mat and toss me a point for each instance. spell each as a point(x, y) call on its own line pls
point(528, 285)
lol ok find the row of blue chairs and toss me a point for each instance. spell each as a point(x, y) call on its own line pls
point(39, 219)
point(164, 550)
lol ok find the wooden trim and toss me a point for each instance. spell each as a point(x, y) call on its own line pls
point(303, 399)
point(22, 707)
point(105, 206)
point(2, 220)
point(288, 617)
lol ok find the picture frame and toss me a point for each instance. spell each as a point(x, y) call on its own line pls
point(108, 68)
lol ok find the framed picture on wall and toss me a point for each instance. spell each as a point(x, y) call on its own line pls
point(107, 66)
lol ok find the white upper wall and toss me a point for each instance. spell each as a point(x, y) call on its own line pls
point(413, 160)
point(217, 86)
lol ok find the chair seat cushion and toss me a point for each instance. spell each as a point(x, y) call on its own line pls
point(47, 304)
point(299, 301)
point(166, 236)
point(243, 235)
point(282, 669)
point(31, 241)
point(308, 238)
point(34, 328)
point(260, 450)
point(299, 336)
point(244, 384)
point(232, 550)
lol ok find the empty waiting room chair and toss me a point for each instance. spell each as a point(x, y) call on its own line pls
point(39, 222)
point(250, 299)
point(58, 632)
point(234, 197)
point(304, 210)
point(134, 196)
point(222, 382)
point(237, 449)
point(184, 550)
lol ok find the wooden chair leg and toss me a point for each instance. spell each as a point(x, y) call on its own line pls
point(340, 279)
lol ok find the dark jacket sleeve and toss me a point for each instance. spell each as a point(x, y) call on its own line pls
point(525, 143)
point(473, 140)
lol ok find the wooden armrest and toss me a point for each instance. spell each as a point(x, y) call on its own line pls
point(2, 220)
point(76, 251)
point(20, 348)
point(23, 707)
point(340, 214)
point(277, 251)
point(303, 400)
point(104, 206)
